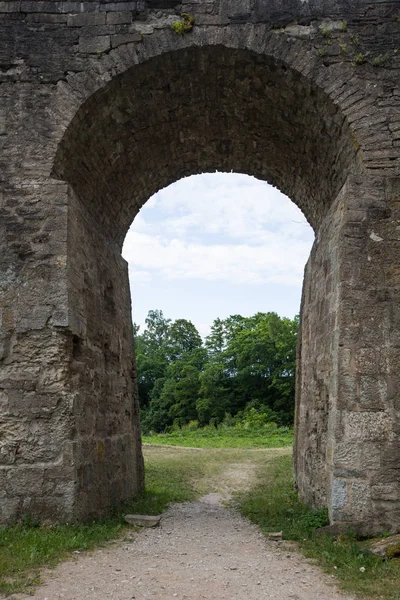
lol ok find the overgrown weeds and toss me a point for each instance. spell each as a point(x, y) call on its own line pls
point(247, 435)
point(185, 25)
point(274, 506)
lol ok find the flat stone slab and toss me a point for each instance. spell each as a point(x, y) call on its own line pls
point(388, 547)
point(143, 520)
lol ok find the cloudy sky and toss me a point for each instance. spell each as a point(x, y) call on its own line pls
point(213, 245)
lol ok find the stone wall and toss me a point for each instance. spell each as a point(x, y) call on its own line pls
point(101, 105)
point(347, 417)
point(107, 453)
point(317, 363)
point(366, 482)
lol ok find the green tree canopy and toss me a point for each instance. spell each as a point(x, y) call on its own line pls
point(246, 363)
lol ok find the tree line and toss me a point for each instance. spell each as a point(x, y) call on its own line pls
point(245, 364)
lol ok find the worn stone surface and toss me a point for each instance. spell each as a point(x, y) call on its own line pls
point(143, 520)
point(359, 529)
point(388, 547)
point(101, 105)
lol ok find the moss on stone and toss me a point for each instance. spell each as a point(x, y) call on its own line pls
point(393, 550)
point(184, 26)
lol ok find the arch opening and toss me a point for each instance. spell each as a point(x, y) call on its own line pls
point(216, 252)
point(119, 110)
point(192, 111)
point(214, 245)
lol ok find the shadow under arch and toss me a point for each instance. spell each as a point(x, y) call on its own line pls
point(203, 109)
point(190, 111)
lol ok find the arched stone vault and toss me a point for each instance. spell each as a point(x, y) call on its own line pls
point(303, 95)
point(204, 109)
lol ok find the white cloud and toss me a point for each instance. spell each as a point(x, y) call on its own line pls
point(235, 205)
point(178, 259)
point(219, 228)
point(139, 276)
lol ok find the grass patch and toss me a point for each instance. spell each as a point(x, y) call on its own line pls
point(168, 479)
point(274, 506)
point(28, 547)
point(25, 549)
point(230, 437)
point(178, 475)
point(358, 571)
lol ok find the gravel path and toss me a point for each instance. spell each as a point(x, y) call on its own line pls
point(201, 550)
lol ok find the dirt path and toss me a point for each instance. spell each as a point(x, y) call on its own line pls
point(202, 550)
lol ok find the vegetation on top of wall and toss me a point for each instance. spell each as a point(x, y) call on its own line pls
point(337, 39)
point(185, 25)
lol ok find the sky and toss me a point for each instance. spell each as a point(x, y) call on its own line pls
point(214, 245)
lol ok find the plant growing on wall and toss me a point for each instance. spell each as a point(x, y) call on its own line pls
point(185, 25)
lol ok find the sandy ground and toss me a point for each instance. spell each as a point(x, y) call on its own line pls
point(201, 550)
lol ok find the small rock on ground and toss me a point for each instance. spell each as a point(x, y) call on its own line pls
point(143, 520)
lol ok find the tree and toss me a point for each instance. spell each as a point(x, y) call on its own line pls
point(182, 337)
point(247, 366)
point(264, 354)
point(215, 394)
point(157, 328)
point(151, 359)
point(169, 366)
point(215, 341)
point(254, 364)
point(174, 397)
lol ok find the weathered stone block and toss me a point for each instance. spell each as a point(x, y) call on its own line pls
point(46, 18)
point(10, 6)
point(118, 18)
point(368, 361)
point(94, 44)
point(28, 479)
point(385, 491)
point(373, 393)
point(86, 19)
point(352, 455)
point(143, 520)
point(9, 509)
point(367, 426)
point(339, 493)
point(3, 476)
point(387, 547)
point(118, 40)
point(360, 499)
point(119, 6)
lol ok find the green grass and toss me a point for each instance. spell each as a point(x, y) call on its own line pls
point(231, 437)
point(274, 506)
point(178, 475)
point(25, 548)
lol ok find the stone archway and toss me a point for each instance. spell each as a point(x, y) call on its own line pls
point(112, 131)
